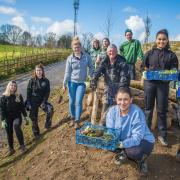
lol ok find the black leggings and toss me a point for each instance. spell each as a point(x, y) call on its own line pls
point(158, 90)
point(16, 124)
point(48, 109)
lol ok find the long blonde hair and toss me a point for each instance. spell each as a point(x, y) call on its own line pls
point(7, 92)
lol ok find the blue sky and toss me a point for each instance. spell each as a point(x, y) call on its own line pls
point(41, 16)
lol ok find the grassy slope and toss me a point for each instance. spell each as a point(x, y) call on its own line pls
point(56, 156)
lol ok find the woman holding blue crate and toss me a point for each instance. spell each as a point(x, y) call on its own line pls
point(160, 57)
point(75, 76)
point(136, 142)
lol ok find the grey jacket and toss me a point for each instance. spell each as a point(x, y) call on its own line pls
point(76, 69)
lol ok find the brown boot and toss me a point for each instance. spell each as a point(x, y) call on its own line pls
point(76, 125)
point(22, 148)
point(71, 124)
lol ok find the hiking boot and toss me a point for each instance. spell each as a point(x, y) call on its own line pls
point(11, 152)
point(47, 124)
point(22, 148)
point(120, 158)
point(76, 125)
point(163, 141)
point(143, 168)
point(71, 124)
point(37, 137)
point(178, 156)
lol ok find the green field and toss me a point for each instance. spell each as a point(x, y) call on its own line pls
point(11, 52)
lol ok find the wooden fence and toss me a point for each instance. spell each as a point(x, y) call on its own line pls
point(18, 64)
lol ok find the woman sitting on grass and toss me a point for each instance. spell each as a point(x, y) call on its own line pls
point(11, 108)
point(136, 140)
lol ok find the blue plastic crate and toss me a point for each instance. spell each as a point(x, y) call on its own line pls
point(178, 93)
point(98, 142)
point(166, 75)
point(178, 89)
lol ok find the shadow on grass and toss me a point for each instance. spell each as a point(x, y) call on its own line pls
point(33, 144)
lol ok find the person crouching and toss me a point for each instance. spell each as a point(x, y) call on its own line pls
point(136, 142)
point(11, 108)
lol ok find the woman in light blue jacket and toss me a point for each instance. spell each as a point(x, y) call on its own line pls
point(135, 139)
point(77, 66)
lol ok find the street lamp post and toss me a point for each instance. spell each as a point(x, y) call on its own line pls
point(76, 7)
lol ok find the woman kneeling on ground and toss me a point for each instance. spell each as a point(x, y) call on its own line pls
point(11, 107)
point(136, 140)
point(38, 91)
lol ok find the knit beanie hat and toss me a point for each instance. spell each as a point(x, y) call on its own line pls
point(128, 30)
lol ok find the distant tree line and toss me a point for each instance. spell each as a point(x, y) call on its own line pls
point(14, 35)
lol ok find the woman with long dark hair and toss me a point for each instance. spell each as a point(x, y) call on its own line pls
point(160, 57)
point(11, 108)
point(38, 91)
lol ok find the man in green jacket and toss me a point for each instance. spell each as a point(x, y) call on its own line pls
point(131, 50)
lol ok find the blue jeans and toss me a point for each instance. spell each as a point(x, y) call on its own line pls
point(76, 93)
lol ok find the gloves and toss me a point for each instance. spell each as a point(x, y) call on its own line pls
point(27, 119)
point(28, 105)
point(4, 124)
point(120, 145)
point(93, 85)
point(144, 75)
point(43, 105)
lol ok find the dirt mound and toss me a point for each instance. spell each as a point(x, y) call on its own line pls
point(56, 156)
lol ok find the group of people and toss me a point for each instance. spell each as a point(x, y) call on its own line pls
point(136, 140)
point(12, 107)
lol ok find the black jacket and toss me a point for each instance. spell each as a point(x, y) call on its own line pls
point(118, 73)
point(11, 108)
point(160, 59)
point(38, 90)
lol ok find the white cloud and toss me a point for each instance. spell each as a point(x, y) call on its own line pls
point(99, 35)
point(19, 21)
point(135, 23)
point(35, 31)
point(129, 9)
point(63, 27)
point(8, 10)
point(37, 19)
